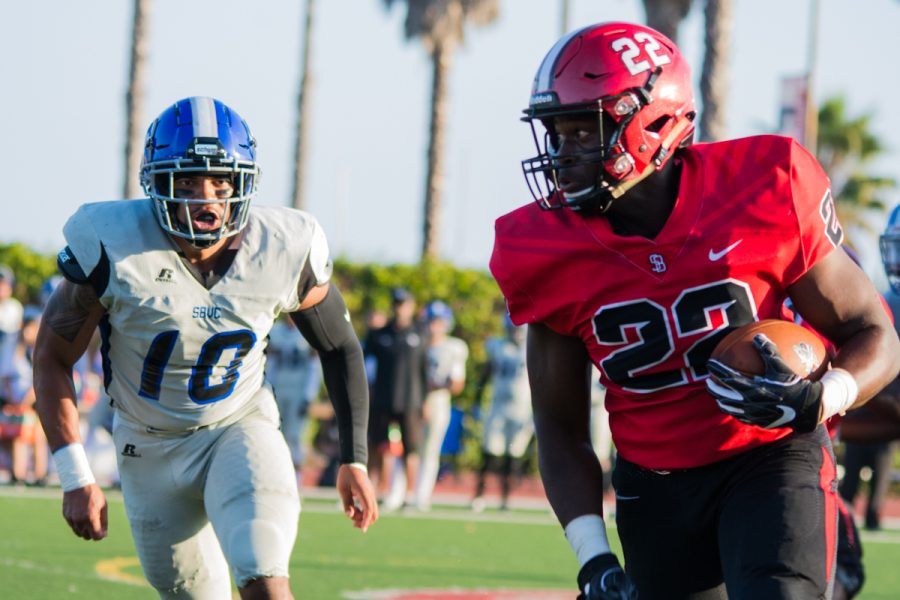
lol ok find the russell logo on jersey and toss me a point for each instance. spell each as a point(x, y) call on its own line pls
point(130, 451)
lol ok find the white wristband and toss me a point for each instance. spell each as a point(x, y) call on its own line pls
point(587, 536)
point(72, 467)
point(839, 392)
point(359, 466)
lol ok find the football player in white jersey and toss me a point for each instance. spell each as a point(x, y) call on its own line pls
point(509, 425)
point(185, 286)
point(447, 357)
point(293, 371)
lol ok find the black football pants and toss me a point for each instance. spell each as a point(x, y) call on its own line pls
point(764, 522)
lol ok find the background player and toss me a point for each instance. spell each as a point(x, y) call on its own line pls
point(655, 250)
point(446, 368)
point(509, 425)
point(185, 286)
point(295, 375)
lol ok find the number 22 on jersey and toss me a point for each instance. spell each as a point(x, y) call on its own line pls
point(654, 325)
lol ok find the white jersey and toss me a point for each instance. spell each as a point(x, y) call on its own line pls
point(447, 362)
point(509, 378)
point(293, 367)
point(179, 355)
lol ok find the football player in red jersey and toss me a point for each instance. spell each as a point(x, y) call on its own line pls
point(641, 252)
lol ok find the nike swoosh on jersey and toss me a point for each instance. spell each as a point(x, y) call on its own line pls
point(714, 256)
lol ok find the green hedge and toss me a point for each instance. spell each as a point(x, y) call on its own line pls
point(31, 269)
point(473, 295)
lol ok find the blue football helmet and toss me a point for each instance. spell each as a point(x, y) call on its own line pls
point(199, 135)
point(438, 309)
point(890, 249)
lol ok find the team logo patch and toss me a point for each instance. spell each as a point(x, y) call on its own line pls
point(459, 594)
point(657, 263)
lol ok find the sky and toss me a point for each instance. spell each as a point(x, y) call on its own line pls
point(65, 66)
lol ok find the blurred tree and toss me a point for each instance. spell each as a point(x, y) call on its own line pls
point(846, 148)
point(666, 16)
point(715, 72)
point(31, 268)
point(298, 198)
point(473, 295)
point(440, 24)
point(134, 100)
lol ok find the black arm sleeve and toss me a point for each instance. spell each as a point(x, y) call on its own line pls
point(326, 326)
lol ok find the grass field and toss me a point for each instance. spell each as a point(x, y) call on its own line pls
point(450, 548)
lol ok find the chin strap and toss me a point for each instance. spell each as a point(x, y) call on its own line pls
point(661, 154)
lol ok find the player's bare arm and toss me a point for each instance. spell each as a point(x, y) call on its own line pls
point(839, 300)
point(324, 321)
point(559, 374)
point(67, 326)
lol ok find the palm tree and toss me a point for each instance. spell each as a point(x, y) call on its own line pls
point(298, 199)
point(846, 146)
point(439, 24)
point(714, 73)
point(666, 16)
point(134, 100)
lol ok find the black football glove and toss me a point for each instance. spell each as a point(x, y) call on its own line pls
point(778, 398)
point(601, 578)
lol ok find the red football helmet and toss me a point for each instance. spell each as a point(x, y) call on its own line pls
point(636, 82)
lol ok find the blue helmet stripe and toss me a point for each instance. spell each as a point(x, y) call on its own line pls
point(203, 117)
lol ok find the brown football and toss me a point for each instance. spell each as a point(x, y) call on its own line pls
point(800, 348)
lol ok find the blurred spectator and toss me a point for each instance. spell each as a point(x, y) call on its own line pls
point(10, 314)
point(447, 357)
point(399, 353)
point(375, 319)
point(48, 287)
point(509, 426)
point(20, 430)
point(878, 458)
point(294, 372)
point(601, 436)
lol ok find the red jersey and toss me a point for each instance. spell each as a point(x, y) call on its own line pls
point(752, 216)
